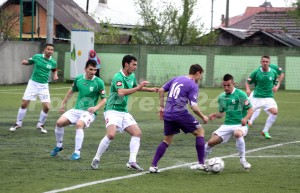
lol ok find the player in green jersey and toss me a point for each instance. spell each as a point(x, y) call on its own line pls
point(265, 80)
point(116, 113)
point(238, 109)
point(38, 86)
point(89, 88)
point(280, 74)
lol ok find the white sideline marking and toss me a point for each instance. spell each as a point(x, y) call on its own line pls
point(163, 169)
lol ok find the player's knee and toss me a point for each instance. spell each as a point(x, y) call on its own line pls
point(80, 124)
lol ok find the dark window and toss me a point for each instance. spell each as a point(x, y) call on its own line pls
point(27, 8)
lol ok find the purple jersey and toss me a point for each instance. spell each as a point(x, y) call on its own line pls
point(181, 90)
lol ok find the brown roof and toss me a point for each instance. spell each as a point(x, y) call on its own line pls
point(275, 21)
point(68, 13)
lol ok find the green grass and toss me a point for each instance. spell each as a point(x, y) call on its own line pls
point(26, 165)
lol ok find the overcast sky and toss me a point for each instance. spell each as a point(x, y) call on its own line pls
point(237, 7)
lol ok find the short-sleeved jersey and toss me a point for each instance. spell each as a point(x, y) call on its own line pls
point(181, 91)
point(235, 105)
point(88, 92)
point(276, 68)
point(264, 82)
point(42, 68)
point(114, 101)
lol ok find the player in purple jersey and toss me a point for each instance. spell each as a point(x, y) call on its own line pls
point(181, 91)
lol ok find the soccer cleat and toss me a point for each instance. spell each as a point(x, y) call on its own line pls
point(41, 128)
point(154, 169)
point(245, 165)
point(95, 164)
point(199, 167)
point(134, 165)
point(55, 151)
point(266, 135)
point(14, 128)
point(75, 156)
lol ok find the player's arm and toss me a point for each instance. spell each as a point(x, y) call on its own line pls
point(248, 90)
point(54, 74)
point(197, 111)
point(101, 103)
point(217, 115)
point(124, 92)
point(69, 95)
point(147, 89)
point(280, 78)
point(247, 117)
point(161, 96)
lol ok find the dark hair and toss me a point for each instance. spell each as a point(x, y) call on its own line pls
point(228, 77)
point(195, 68)
point(48, 45)
point(92, 63)
point(265, 56)
point(128, 59)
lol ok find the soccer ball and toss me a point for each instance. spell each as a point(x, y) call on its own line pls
point(215, 164)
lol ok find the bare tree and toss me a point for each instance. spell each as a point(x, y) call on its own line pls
point(8, 22)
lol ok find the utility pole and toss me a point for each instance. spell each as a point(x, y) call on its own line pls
point(50, 13)
point(227, 14)
point(87, 6)
point(212, 15)
point(21, 19)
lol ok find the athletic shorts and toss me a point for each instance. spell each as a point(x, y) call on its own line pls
point(121, 119)
point(226, 131)
point(187, 124)
point(35, 89)
point(73, 115)
point(263, 103)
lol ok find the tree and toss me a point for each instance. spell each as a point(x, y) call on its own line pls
point(166, 24)
point(8, 22)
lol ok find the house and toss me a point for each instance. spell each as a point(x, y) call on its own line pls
point(67, 17)
point(274, 24)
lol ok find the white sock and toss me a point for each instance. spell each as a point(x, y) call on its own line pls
point(103, 145)
point(78, 140)
point(20, 116)
point(207, 150)
point(241, 147)
point(134, 148)
point(42, 118)
point(59, 134)
point(254, 115)
point(270, 120)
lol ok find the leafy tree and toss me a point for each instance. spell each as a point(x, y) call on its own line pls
point(167, 24)
point(108, 35)
point(8, 22)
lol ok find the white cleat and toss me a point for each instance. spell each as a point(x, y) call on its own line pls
point(199, 167)
point(135, 166)
point(95, 164)
point(14, 128)
point(245, 165)
point(154, 169)
point(41, 128)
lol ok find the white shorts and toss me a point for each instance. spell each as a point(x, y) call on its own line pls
point(121, 119)
point(264, 103)
point(35, 89)
point(226, 131)
point(73, 115)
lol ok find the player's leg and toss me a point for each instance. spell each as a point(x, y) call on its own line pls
point(59, 132)
point(44, 95)
point(239, 134)
point(84, 122)
point(273, 110)
point(200, 148)
point(221, 135)
point(254, 116)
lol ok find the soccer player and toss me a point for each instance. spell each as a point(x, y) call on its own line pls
point(38, 86)
point(265, 80)
point(89, 88)
point(116, 114)
point(238, 109)
point(280, 74)
point(181, 91)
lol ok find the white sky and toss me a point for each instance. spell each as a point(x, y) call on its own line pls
point(237, 7)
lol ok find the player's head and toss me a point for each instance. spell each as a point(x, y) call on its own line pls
point(129, 64)
point(265, 62)
point(90, 69)
point(228, 83)
point(48, 50)
point(196, 72)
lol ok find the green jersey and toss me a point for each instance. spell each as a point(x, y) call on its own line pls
point(42, 68)
point(88, 92)
point(276, 68)
point(235, 105)
point(114, 101)
point(264, 82)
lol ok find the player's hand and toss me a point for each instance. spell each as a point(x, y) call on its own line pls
point(142, 84)
point(92, 110)
point(24, 62)
point(275, 89)
point(55, 77)
point(244, 122)
point(161, 113)
point(212, 116)
point(61, 109)
point(205, 119)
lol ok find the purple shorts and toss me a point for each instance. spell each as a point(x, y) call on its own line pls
point(187, 124)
